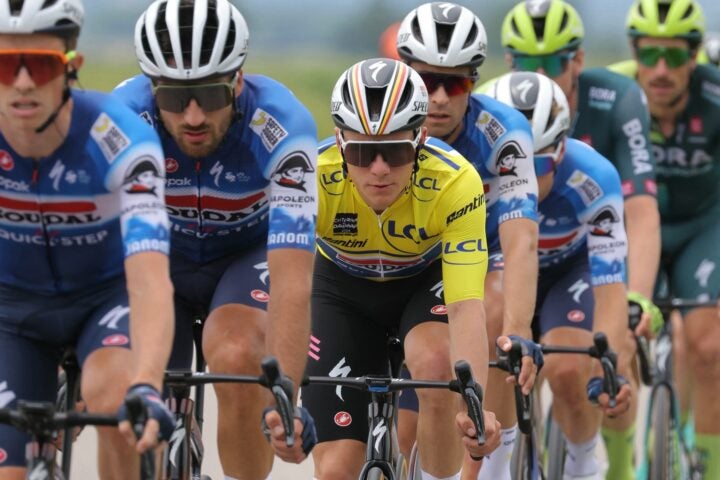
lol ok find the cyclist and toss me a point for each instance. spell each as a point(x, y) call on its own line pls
point(401, 217)
point(710, 52)
point(446, 43)
point(83, 236)
point(241, 193)
point(684, 101)
point(609, 113)
point(582, 245)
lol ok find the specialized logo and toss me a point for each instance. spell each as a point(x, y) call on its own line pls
point(446, 12)
point(6, 395)
point(171, 165)
point(439, 310)
point(577, 289)
point(345, 224)
point(175, 443)
point(521, 90)
point(264, 270)
point(375, 68)
point(601, 225)
point(109, 138)
point(260, 295)
point(576, 316)
point(115, 340)
point(216, 170)
point(342, 419)
point(508, 157)
point(39, 472)
point(143, 177)
point(437, 290)
point(270, 131)
point(112, 318)
point(378, 433)
point(703, 272)
point(6, 161)
point(537, 8)
point(291, 171)
point(340, 370)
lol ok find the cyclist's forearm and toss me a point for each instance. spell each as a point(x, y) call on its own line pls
point(468, 336)
point(289, 310)
point(610, 317)
point(152, 324)
point(519, 246)
point(642, 223)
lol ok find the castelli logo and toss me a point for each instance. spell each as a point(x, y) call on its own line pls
point(343, 419)
point(439, 310)
point(260, 296)
point(115, 340)
point(6, 161)
point(3, 456)
point(171, 165)
point(576, 316)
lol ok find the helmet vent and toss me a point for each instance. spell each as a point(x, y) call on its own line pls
point(564, 21)
point(472, 36)
point(539, 27)
point(48, 3)
point(405, 97)
point(346, 97)
point(444, 34)
point(416, 30)
point(375, 98)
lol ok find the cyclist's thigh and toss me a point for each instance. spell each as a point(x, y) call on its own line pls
point(246, 280)
point(695, 271)
point(28, 371)
point(109, 323)
point(346, 341)
point(567, 298)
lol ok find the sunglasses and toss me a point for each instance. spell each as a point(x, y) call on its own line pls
point(43, 66)
point(453, 84)
point(209, 96)
point(674, 56)
point(545, 162)
point(396, 153)
point(553, 64)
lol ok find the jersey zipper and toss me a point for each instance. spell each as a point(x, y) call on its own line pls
point(198, 169)
point(46, 235)
point(382, 268)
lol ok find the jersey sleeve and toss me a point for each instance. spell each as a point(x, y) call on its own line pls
point(464, 243)
point(511, 161)
point(292, 174)
point(605, 227)
point(136, 177)
point(631, 150)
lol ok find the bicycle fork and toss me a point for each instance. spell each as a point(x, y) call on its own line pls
point(183, 456)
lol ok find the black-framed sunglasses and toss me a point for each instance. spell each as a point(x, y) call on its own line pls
point(209, 96)
point(396, 153)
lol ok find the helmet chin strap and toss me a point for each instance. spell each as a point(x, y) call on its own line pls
point(65, 98)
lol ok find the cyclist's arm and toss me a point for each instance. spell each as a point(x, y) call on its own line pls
point(610, 317)
point(468, 336)
point(634, 160)
point(289, 309)
point(519, 241)
point(151, 315)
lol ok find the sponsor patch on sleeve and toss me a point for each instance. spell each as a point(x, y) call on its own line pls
point(108, 136)
point(490, 127)
point(585, 186)
point(268, 129)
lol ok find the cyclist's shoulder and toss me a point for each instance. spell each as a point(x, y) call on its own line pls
point(706, 84)
point(438, 158)
point(136, 93)
point(266, 96)
point(582, 158)
point(608, 90)
point(486, 108)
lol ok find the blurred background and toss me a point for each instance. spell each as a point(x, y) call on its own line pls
point(306, 44)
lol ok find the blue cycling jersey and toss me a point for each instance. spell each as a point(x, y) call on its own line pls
point(258, 184)
point(497, 140)
point(68, 220)
point(583, 214)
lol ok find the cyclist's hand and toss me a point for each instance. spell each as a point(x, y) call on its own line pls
point(532, 360)
point(305, 434)
point(651, 320)
point(160, 423)
point(466, 429)
point(597, 396)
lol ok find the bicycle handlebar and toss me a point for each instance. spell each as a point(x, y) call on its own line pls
point(41, 420)
point(643, 348)
point(511, 362)
point(138, 416)
point(472, 393)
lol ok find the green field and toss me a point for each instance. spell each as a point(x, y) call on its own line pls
point(311, 81)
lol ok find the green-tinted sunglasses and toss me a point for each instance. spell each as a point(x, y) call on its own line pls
point(674, 56)
point(553, 64)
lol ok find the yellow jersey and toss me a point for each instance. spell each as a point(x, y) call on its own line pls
point(439, 215)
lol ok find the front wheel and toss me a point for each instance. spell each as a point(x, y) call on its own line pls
point(662, 440)
point(555, 451)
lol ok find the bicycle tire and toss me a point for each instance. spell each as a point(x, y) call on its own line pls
point(555, 451)
point(401, 467)
point(518, 461)
point(375, 473)
point(663, 461)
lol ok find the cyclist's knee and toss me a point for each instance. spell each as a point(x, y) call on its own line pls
point(338, 460)
point(567, 379)
point(105, 380)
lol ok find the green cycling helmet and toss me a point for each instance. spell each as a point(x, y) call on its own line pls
point(541, 27)
point(667, 18)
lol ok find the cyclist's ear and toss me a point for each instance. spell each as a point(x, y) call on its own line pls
point(240, 83)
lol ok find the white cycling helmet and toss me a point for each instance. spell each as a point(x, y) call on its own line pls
point(540, 99)
point(62, 18)
point(442, 34)
point(190, 39)
point(379, 96)
point(712, 47)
